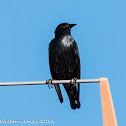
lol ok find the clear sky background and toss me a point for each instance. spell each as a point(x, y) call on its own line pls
point(27, 27)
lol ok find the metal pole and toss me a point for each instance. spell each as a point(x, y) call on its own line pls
point(44, 82)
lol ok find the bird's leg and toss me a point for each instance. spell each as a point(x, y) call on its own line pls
point(49, 81)
point(73, 81)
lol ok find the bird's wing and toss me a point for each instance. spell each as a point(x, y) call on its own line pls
point(77, 68)
point(57, 87)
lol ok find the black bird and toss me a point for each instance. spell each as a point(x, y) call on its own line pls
point(64, 62)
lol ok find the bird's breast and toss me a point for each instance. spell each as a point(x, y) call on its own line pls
point(67, 41)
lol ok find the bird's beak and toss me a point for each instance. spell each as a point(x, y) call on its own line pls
point(71, 25)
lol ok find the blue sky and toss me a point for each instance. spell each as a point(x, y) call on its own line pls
point(27, 27)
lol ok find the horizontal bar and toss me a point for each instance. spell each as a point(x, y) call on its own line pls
point(44, 82)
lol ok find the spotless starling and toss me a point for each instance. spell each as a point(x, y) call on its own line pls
point(64, 62)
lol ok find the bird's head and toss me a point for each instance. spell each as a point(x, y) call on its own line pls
point(63, 29)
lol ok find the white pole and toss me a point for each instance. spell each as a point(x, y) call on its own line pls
point(44, 82)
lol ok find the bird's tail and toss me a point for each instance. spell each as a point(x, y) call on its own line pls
point(73, 95)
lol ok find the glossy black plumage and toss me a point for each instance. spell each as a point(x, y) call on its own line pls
point(64, 62)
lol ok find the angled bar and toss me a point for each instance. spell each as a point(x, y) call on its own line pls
point(44, 82)
point(108, 112)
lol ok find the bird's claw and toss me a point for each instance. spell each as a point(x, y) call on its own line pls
point(49, 82)
point(73, 81)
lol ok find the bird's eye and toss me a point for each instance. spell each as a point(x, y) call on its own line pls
point(66, 29)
